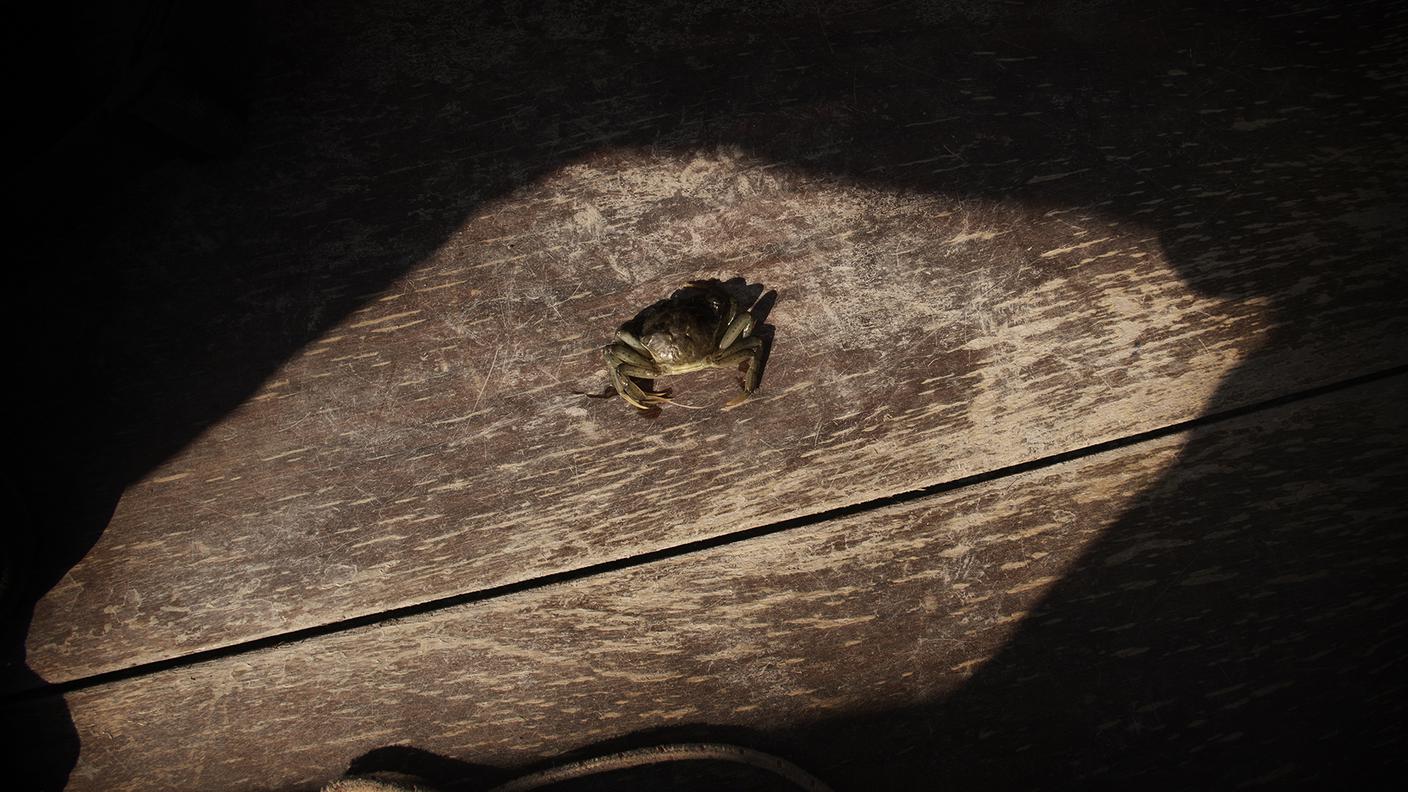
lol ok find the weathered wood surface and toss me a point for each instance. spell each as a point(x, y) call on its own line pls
point(989, 244)
point(1223, 601)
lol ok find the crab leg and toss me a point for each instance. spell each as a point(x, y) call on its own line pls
point(631, 392)
point(628, 338)
point(750, 349)
point(618, 354)
point(630, 363)
point(621, 371)
point(738, 327)
point(637, 371)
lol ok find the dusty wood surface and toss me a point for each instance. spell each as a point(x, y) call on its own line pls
point(342, 366)
point(1201, 610)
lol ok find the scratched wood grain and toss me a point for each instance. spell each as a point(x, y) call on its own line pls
point(1047, 245)
point(1118, 617)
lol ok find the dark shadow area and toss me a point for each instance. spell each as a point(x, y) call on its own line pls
point(108, 94)
point(228, 186)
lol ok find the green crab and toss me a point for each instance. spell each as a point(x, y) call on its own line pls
point(699, 326)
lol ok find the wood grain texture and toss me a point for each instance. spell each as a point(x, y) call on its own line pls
point(1058, 266)
point(1206, 608)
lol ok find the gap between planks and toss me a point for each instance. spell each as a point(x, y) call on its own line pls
point(687, 548)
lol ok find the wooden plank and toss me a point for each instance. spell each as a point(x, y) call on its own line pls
point(302, 442)
point(1203, 609)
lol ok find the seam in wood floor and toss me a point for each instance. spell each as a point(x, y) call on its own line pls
point(687, 548)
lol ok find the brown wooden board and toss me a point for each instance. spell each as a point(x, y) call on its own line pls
point(1202, 609)
point(343, 368)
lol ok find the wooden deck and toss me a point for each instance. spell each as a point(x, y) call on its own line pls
point(1078, 459)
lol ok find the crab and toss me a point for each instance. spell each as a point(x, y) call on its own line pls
point(698, 327)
